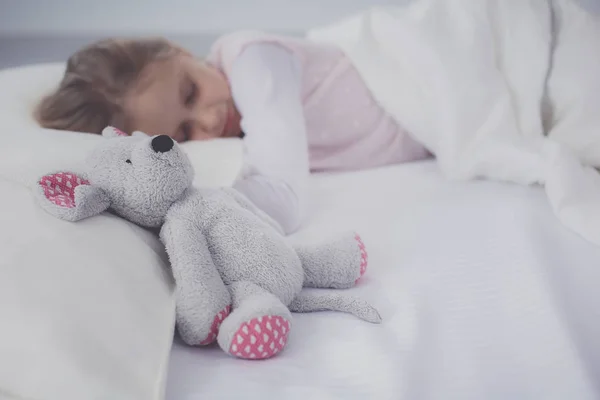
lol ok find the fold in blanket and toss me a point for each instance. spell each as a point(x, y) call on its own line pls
point(496, 89)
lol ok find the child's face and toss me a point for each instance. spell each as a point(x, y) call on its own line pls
point(185, 99)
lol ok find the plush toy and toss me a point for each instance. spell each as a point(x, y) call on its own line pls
point(237, 277)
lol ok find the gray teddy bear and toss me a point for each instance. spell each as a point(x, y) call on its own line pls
point(237, 277)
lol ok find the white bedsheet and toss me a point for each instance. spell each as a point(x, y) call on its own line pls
point(484, 295)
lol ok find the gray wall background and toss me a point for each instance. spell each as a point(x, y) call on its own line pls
point(174, 16)
point(33, 31)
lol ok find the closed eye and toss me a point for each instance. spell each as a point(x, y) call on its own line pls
point(191, 94)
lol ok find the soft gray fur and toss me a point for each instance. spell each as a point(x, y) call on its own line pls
point(225, 253)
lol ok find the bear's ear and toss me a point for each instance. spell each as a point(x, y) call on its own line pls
point(112, 132)
point(69, 196)
point(140, 134)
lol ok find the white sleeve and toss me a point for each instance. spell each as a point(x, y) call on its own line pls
point(265, 82)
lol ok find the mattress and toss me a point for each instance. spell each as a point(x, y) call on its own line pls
point(483, 294)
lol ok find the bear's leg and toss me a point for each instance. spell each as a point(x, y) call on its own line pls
point(202, 298)
point(259, 325)
point(337, 264)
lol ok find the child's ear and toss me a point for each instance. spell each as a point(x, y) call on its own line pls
point(69, 196)
point(112, 132)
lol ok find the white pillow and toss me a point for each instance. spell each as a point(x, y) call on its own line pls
point(87, 308)
point(21, 88)
point(28, 150)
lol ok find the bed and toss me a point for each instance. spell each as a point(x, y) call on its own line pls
point(488, 290)
point(483, 292)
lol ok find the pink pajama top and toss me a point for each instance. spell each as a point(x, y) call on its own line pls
point(304, 108)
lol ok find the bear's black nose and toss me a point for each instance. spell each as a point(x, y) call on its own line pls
point(162, 144)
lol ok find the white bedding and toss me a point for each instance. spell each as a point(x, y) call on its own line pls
point(484, 295)
point(86, 309)
point(505, 90)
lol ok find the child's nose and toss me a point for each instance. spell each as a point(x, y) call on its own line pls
point(208, 117)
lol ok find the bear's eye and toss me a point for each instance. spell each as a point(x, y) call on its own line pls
point(128, 161)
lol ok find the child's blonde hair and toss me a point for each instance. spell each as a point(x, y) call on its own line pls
point(97, 78)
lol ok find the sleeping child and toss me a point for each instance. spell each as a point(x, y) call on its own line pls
point(299, 106)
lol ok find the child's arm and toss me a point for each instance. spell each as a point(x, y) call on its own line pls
point(275, 198)
point(266, 87)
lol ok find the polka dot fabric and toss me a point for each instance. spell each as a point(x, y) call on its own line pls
point(364, 256)
point(260, 338)
point(214, 328)
point(114, 131)
point(60, 188)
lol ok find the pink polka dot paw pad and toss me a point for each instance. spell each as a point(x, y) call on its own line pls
point(214, 328)
point(260, 338)
point(60, 188)
point(364, 256)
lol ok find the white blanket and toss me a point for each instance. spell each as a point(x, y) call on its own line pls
point(497, 89)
